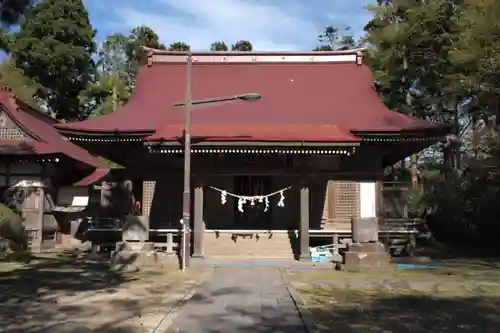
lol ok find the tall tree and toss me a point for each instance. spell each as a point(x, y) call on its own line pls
point(410, 54)
point(138, 38)
point(105, 95)
point(323, 47)
point(179, 46)
point(115, 78)
point(410, 51)
point(332, 38)
point(120, 58)
point(54, 47)
point(12, 10)
point(22, 86)
point(477, 52)
point(218, 46)
point(242, 46)
point(113, 54)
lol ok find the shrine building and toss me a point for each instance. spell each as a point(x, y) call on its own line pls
point(304, 158)
point(37, 165)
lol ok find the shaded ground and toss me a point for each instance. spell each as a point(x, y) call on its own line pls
point(460, 296)
point(63, 293)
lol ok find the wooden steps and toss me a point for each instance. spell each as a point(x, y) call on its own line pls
point(247, 245)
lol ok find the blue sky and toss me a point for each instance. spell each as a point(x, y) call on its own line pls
point(271, 25)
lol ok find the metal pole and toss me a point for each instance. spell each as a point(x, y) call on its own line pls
point(186, 197)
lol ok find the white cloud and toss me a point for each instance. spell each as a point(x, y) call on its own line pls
point(200, 22)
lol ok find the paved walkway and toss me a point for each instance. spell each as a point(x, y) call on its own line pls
point(240, 300)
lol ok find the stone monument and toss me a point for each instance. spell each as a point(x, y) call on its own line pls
point(366, 252)
point(134, 251)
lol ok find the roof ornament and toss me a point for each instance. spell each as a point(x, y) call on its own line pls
point(11, 97)
point(359, 57)
point(150, 58)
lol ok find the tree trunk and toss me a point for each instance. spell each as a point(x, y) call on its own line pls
point(414, 170)
point(457, 145)
point(475, 135)
point(114, 97)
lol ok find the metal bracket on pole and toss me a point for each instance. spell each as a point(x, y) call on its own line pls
point(185, 246)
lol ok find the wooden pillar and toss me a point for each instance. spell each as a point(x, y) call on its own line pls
point(37, 239)
point(379, 198)
point(304, 222)
point(198, 223)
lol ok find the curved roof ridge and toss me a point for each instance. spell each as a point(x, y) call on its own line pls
point(42, 130)
point(243, 53)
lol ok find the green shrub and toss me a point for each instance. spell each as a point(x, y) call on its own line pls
point(11, 228)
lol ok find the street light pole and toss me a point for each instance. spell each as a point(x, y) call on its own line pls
point(186, 197)
point(188, 105)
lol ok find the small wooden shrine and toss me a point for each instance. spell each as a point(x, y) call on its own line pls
point(41, 173)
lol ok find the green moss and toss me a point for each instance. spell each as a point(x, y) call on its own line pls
point(109, 164)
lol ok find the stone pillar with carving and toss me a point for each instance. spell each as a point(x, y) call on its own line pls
point(366, 251)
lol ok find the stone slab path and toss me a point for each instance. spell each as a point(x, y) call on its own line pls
point(240, 300)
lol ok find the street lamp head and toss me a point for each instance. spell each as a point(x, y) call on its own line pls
point(243, 97)
point(249, 97)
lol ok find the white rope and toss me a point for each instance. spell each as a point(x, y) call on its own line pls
point(243, 199)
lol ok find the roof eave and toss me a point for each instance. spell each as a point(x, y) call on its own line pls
point(97, 175)
point(435, 130)
point(268, 143)
point(101, 133)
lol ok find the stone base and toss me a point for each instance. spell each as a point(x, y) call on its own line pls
point(361, 256)
point(197, 257)
point(336, 258)
point(364, 230)
point(129, 256)
point(305, 258)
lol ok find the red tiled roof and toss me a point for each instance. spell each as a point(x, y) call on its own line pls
point(40, 127)
point(303, 96)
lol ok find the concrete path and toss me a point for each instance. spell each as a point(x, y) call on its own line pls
point(240, 300)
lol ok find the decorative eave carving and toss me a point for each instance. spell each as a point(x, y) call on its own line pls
point(347, 151)
point(8, 98)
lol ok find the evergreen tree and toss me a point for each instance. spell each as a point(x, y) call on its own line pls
point(137, 39)
point(113, 55)
point(324, 47)
point(23, 87)
point(218, 46)
point(12, 10)
point(54, 47)
point(105, 95)
point(242, 46)
point(179, 46)
point(476, 52)
point(332, 39)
